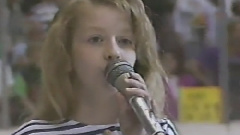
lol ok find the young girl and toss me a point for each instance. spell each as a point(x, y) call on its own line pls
point(77, 99)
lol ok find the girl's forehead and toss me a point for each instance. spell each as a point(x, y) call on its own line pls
point(88, 7)
point(104, 15)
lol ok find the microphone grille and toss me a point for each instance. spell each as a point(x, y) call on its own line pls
point(115, 69)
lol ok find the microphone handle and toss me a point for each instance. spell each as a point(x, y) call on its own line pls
point(146, 116)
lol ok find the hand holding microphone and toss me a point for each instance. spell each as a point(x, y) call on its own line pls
point(135, 104)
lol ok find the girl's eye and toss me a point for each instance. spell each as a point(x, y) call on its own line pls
point(96, 39)
point(125, 42)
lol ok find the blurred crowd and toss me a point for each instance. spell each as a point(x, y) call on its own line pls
point(186, 31)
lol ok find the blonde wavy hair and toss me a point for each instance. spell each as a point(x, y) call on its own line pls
point(58, 99)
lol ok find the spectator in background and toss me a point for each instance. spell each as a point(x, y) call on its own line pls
point(205, 68)
point(195, 21)
point(234, 38)
point(173, 60)
point(174, 64)
point(19, 59)
point(9, 81)
point(59, 3)
point(215, 2)
point(31, 77)
point(160, 13)
point(36, 15)
point(236, 8)
point(27, 5)
point(234, 68)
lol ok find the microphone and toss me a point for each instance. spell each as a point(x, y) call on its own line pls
point(116, 71)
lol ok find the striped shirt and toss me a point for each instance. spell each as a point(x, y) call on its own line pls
point(70, 127)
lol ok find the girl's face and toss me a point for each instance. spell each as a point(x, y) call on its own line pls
point(103, 33)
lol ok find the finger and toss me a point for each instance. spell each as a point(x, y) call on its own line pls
point(130, 92)
point(135, 84)
point(123, 103)
point(126, 113)
point(136, 76)
point(153, 105)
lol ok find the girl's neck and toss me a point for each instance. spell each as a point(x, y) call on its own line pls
point(97, 109)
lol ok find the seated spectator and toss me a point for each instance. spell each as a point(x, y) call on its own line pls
point(205, 68)
point(5, 90)
point(236, 8)
point(29, 80)
point(173, 60)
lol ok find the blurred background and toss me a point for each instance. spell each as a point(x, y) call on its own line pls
point(199, 47)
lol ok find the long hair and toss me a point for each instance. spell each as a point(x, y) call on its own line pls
point(58, 99)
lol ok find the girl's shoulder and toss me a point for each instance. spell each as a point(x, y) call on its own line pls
point(66, 127)
point(42, 126)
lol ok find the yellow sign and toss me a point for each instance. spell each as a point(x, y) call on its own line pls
point(201, 104)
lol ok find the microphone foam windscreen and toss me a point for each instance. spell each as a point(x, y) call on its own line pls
point(116, 68)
